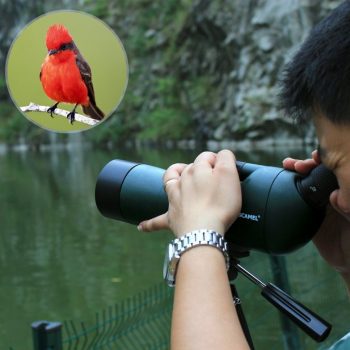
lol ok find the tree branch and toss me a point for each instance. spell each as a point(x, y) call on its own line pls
point(33, 107)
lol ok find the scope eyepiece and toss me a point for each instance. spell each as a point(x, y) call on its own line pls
point(316, 187)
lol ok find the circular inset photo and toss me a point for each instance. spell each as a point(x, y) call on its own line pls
point(67, 71)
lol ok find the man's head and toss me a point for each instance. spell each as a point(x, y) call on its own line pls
point(316, 86)
point(317, 80)
point(334, 152)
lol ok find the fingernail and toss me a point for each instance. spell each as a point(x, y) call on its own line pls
point(139, 227)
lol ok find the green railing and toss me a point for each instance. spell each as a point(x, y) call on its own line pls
point(140, 322)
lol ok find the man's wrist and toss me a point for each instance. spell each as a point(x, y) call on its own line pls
point(200, 237)
point(187, 242)
point(185, 229)
point(200, 258)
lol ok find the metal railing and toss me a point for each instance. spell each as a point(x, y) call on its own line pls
point(139, 322)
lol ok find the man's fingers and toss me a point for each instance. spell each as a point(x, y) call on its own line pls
point(300, 166)
point(225, 158)
point(305, 166)
point(171, 179)
point(173, 172)
point(206, 159)
point(158, 223)
point(289, 163)
point(316, 156)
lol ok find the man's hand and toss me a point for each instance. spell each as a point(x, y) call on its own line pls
point(203, 194)
point(302, 166)
point(333, 238)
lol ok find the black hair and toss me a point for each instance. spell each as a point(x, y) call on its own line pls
point(318, 77)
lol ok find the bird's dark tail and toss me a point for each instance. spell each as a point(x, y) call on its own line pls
point(93, 111)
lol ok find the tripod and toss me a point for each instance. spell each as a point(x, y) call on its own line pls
point(304, 318)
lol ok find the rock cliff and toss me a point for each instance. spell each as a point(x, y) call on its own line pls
point(238, 50)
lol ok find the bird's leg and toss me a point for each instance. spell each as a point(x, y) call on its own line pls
point(52, 109)
point(71, 115)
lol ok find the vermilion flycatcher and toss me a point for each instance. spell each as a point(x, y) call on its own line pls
point(66, 76)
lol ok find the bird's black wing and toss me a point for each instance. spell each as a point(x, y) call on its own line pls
point(85, 72)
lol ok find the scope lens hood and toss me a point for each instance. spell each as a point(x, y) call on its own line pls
point(108, 187)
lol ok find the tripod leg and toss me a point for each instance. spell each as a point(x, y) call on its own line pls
point(241, 316)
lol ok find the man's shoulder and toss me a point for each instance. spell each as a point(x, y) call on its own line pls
point(342, 344)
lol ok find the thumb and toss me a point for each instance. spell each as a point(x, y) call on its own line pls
point(155, 224)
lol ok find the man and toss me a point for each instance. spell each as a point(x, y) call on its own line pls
point(316, 86)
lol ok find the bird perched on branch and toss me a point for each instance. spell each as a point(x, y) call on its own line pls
point(66, 76)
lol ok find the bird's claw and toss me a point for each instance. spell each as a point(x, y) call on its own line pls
point(71, 117)
point(52, 109)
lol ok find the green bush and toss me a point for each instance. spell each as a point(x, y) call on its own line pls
point(165, 123)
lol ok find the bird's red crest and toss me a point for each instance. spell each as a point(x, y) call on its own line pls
point(57, 35)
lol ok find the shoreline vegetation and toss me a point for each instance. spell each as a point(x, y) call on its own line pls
point(189, 144)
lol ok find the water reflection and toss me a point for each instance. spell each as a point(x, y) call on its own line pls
point(60, 259)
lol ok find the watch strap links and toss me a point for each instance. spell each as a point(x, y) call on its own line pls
point(199, 238)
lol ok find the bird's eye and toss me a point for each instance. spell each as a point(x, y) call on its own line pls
point(66, 46)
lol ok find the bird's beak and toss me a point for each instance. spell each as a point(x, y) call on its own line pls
point(52, 52)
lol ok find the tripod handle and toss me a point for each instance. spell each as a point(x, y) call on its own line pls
point(308, 321)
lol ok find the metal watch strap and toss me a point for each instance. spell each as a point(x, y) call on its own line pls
point(201, 237)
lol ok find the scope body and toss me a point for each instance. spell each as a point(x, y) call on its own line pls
point(281, 210)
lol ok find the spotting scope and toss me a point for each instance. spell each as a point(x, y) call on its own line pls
point(281, 209)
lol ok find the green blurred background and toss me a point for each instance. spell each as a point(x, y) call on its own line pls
point(98, 44)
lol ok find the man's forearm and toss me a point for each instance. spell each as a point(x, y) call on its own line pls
point(204, 315)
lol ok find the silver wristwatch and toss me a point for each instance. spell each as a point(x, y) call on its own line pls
point(190, 240)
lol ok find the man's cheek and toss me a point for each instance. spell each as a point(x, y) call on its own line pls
point(343, 201)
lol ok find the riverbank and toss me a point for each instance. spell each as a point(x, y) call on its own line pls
point(214, 145)
point(187, 144)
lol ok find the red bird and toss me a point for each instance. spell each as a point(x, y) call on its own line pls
point(66, 76)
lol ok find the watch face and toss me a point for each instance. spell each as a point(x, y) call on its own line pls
point(169, 268)
point(166, 261)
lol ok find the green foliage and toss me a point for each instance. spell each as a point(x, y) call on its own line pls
point(165, 123)
point(165, 85)
point(167, 120)
point(97, 8)
point(2, 82)
point(202, 91)
point(16, 128)
point(12, 125)
point(113, 130)
point(166, 88)
point(137, 43)
point(153, 108)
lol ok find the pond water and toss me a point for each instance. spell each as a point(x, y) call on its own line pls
point(60, 259)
